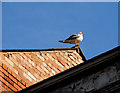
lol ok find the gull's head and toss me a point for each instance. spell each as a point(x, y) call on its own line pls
point(81, 33)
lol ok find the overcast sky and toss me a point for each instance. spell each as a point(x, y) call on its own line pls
point(41, 25)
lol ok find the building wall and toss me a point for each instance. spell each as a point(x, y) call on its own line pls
point(94, 81)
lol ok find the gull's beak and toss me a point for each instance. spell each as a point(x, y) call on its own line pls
point(82, 32)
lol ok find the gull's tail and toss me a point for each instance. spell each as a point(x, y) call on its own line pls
point(64, 41)
point(61, 41)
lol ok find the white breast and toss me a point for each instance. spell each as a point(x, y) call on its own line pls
point(80, 38)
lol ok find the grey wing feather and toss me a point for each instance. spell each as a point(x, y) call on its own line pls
point(74, 36)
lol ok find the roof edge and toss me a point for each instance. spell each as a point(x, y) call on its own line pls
point(76, 47)
point(34, 50)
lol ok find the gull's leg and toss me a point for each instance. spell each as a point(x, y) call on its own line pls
point(77, 45)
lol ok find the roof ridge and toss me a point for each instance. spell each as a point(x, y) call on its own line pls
point(76, 48)
point(33, 50)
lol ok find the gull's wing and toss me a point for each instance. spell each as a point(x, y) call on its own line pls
point(74, 36)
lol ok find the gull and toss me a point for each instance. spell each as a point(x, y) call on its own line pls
point(73, 39)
